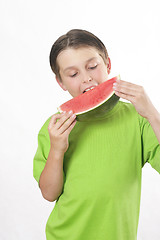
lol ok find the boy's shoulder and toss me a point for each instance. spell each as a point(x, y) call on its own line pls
point(126, 109)
point(129, 109)
point(126, 106)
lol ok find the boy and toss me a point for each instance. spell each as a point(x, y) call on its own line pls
point(93, 169)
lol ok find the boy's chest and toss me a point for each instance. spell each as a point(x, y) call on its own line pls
point(104, 158)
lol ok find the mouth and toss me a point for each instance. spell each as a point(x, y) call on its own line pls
point(88, 89)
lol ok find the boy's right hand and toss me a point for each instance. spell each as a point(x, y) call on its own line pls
point(60, 130)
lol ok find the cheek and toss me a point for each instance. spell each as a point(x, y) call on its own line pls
point(73, 85)
point(100, 74)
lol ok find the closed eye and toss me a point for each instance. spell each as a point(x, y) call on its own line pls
point(89, 68)
point(73, 75)
point(93, 67)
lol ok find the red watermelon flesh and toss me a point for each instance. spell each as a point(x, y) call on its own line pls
point(91, 99)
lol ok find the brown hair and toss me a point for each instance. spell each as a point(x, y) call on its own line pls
point(75, 38)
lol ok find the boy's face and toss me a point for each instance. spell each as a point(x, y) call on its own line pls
point(81, 68)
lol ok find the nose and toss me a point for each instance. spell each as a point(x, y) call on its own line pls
point(86, 78)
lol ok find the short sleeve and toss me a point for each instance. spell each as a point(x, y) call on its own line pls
point(41, 155)
point(150, 145)
point(42, 152)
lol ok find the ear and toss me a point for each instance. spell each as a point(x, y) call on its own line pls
point(61, 84)
point(108, 65)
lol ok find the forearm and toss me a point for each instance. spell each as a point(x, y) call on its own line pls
point(154, 120)
point(51, 179)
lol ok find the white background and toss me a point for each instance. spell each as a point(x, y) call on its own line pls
point(29, 94)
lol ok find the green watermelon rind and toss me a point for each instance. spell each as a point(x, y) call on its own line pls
point(100, 111)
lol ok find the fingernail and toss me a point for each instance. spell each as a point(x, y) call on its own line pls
point(114, 85)
point(70, 112)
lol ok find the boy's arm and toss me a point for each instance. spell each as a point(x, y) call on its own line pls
point(143, 105)
point(51, 179)
point(154, 121)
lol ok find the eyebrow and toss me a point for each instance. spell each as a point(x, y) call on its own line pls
point(75, 66)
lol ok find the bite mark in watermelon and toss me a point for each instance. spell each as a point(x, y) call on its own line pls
point(93, 103)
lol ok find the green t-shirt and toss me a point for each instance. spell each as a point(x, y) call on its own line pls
point(102, 176)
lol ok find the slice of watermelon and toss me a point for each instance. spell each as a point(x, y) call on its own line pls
point(93, 103)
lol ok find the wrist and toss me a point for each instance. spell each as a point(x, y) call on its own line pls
point(57, 153)
point(153, 116)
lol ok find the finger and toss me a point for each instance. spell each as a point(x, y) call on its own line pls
point(63, 119)
point(124, 82)
point(125, 90)
point(55, 117)
point(129, 85)
point(70, 127)
point(66, 123)
point(125, 96)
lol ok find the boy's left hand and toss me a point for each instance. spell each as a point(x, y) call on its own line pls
point(136, 95)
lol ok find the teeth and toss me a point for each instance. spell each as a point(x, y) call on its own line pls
point(88, 89)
